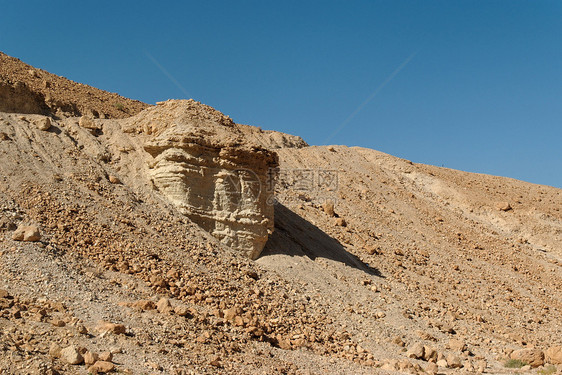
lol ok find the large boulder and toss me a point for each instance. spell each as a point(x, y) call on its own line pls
point(554, 355)
point(533, 357)
point(210, 171)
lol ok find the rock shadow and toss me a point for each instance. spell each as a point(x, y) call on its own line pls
point(296, 236)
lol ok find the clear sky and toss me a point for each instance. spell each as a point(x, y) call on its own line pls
point(471, 85)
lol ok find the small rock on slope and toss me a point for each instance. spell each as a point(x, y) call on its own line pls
point(28, 233)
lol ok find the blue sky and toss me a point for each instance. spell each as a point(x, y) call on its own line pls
point(470, 85)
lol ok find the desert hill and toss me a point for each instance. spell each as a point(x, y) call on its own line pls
point(127, 235)
point(25, 89)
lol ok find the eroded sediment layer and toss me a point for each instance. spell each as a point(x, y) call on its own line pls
point(203, 165)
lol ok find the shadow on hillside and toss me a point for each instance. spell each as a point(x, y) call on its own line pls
point(295, 236)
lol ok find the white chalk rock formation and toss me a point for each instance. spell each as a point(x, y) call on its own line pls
point(204, 165)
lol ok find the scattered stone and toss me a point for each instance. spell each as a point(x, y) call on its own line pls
point(154, 366)
point(106, 356)
point(88, 123)
point(432, 368)
point(4, 136)
point(101, 367)
point(216, 362)
point(503, 206)
point(328, 208)
point(58, 323)
point(158, 281)
point(457, 345)
point(553, 355)
point(429, 353)
point(416, 351)
point(117, 329)
point(116, 350)
point(81, 329)
point(164, 306)
point(406, 366)
point(398, 341)
point(230, 314)
point(16, 313)
point(27, 233)
point(481, 366)
point(6, 223)
point(181, 310)
point(340, 222)
point(144, 304)
point(453, 361)
point(252, 274)
point(114, 179)
point(467, 366)
point(441, 363)
point(90, 358)
point(71, 355)
point(425, 336)
point(173, 274)
point(372, 249)
point(55, 350)
point(447, 328)
point(390, 365)
point(533, 357)
point(44, 123)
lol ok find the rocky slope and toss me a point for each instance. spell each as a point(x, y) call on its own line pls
point(375, 264)
point(25, 89)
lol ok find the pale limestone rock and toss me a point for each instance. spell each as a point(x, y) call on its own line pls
point(114, 179)
point(453, 361)
point(90, 358)
point(457, 345)
point(554, 355)
point(104, 326)
point(55, 350)
point(106, 356)
point(88, 123)
point(432, 368)
point(28, 233)
point(416, 351)
point(164, 306)
point(101, 367)
point(328, 208)
point(71, 355)
point(203, 164)
point(429, 353)
point(181, 310)
point(533, 357)
point(43, 123)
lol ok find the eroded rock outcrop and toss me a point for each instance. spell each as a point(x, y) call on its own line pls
point(205, 166)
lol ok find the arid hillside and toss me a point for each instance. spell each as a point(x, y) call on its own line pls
point(128, 243)
point(25, 89)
